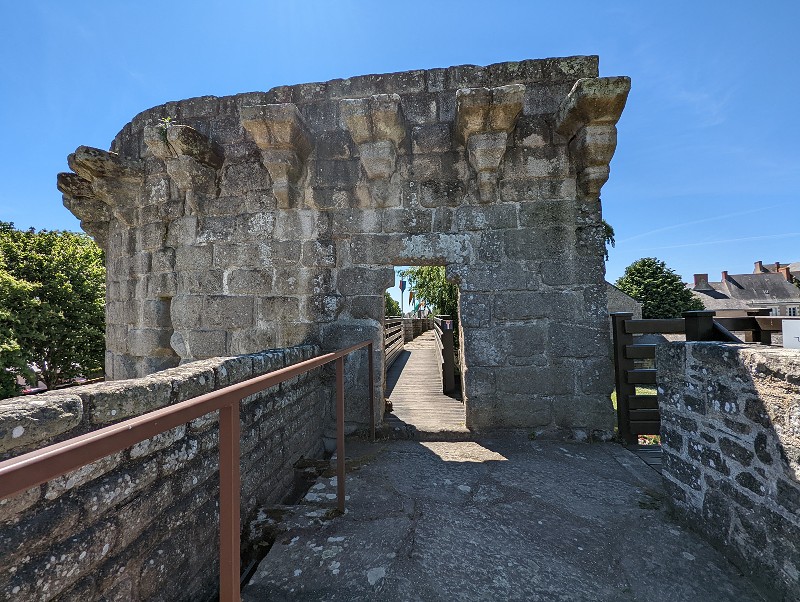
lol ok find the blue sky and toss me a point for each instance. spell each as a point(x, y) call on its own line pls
point(706, 171)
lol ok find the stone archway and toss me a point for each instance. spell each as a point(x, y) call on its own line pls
point(272, 219)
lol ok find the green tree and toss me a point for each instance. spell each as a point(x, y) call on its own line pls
point(392, 306)
point(430, 285)
point(52, 301)
point(658, 288)
point(13, 293)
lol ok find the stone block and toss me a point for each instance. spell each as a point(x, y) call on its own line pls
point(163, 260)
point(26, 421)
point(151, 236)
point(509, 276)
point(216, 228)
point(199, 344)
point(364, 281)
point(240, 178)
point(492, 217)
point(193, 258)
point(247, 281)
point(407, 221)
point(113, 401)
point(438, 193)
point(85, 474)
point(253, 340)
point(182, 231)
point(227, 312)
point(200, 282)
point(144, 342)
point(320, 253)
point(432, 138)
point(375, 249)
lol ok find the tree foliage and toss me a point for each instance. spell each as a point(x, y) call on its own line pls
point(52, 300)
point(392, 306)
point(430, 285)
point(658, 288)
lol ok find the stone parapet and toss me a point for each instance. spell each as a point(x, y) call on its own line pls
point(142, 524)
point(730, 432)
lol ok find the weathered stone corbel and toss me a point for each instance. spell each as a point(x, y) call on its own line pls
point(80, 200)
point(377, 127)
point(587, 118)
point(484, 119)
point(103, 177)
point(280, 132)
point(191, 159)
point(176, 140)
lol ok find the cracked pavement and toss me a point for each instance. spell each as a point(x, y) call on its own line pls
point(495, 518)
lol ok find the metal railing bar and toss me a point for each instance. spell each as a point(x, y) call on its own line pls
point(39, 466)
point(370, 369)
point(229, 502)
point(340, 434)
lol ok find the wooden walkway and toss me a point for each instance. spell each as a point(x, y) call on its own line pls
point(414, 387)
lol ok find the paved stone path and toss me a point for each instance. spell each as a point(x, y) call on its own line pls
point(414, 387)
point(494, 518)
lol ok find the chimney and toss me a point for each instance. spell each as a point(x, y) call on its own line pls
point(724, 275)
point(701, 282)
point(777, 267)
point(759, 268)
point(786, 273)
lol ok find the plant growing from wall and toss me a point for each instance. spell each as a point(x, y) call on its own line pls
point(52, 303)
point(658, 288)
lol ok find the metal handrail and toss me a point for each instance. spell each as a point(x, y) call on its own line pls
point(39, 466)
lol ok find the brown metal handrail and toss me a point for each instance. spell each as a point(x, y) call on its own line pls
point(40, 466)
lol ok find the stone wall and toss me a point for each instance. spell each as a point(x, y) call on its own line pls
point(413, 327)
point(730, 431)
point(619, 301)
point(143, 524)
point(276, 218)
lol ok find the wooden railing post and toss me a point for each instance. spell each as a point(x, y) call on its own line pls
point(229, 491)
point(448, 356)
point(699, 325)
point(621, 365)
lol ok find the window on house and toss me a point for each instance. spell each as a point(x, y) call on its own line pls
point(791, 311)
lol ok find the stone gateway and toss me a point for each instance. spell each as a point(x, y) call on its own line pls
point(274, 219)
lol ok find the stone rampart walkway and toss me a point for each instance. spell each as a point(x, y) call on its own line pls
point(414, 387)
point(493, 519)
point(452, 516)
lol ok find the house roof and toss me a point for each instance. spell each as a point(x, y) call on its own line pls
point(794, 268)
point(742, 291)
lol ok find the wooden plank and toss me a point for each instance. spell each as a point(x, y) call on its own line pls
point(641, 376)
point(748, 323)
point(643, 402)
point(773, 323)
point(672, 326)
point(650, 427)
point(640, 352)
point(644, 415)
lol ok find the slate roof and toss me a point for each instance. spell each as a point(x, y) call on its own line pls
point(742, 291)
